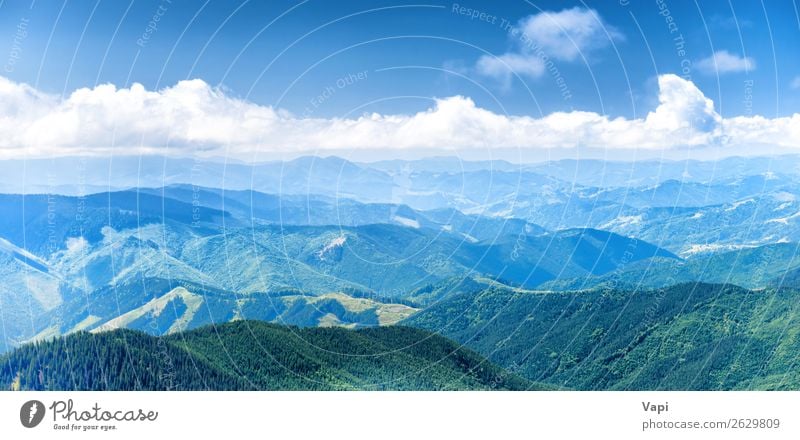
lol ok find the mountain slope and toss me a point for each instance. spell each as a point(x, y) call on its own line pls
point(685, 337)
point(29, 291)
point(162, 306)
point(250, 355)
point(752, 268)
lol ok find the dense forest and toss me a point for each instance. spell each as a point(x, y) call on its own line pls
point(692, 336)
point(253, 355)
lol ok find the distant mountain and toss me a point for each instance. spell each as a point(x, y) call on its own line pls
point(789, 279)
point(446, 164)
point(606, 174)
point(750, 267)
point(252, 355)
point(677, 193)
point(685, 337)
point(683, 206)
point(331, 176)
point(665, 217)
point(379, 181)
point(41, 224)
point(766, 219)
point(255, 208)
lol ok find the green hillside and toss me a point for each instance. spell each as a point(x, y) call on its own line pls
point(685, 337)
point(253, 355)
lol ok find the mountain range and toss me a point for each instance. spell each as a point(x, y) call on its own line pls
point(116, 256)
point(492, 255)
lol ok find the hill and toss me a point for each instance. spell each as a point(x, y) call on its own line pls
point(252, 355)
point(749, 267)
point(686, 337)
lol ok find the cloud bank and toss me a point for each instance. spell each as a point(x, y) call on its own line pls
point(192, 118)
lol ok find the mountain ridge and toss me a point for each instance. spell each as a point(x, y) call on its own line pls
point(252, 355)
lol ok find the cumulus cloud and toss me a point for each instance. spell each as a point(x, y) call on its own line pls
point(722, 61)
point(195, 118)
point(566, 35)
point(682, 106)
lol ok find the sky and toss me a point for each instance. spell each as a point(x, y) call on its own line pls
point(255, 79)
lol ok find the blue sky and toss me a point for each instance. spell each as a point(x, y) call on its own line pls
point(322, 59)
point(211, 42)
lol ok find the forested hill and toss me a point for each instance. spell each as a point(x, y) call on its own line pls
point(692, 336)
point(253, 355)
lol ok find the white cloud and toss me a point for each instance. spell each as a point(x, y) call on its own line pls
point(682, 106)
point(566, 35)
point(194, 118)
point(504, 65)
point(76, 245)
point(722, 61)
